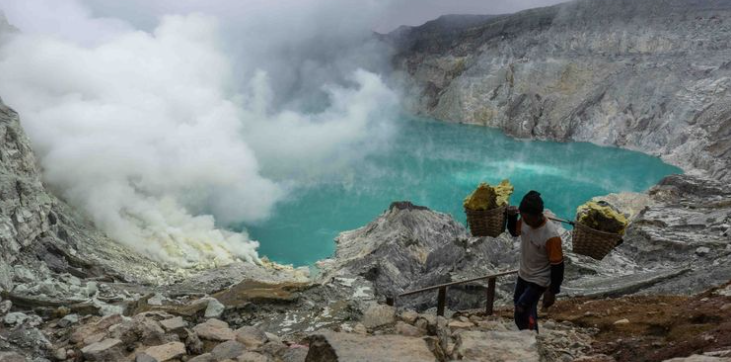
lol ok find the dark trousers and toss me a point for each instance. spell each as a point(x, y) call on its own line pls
point(526, 299)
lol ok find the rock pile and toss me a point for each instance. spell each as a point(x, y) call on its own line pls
point(149, 337)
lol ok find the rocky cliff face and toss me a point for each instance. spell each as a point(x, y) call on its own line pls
point(41, 233)
point(50, 253)
point(648, 75)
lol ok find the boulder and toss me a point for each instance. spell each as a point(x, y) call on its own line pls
point(298, 354)
point(702, 251)
point(15, 318)
point(6, 276)
point(406, 247)
point(496, 346)
point(68, 320)
point(228, 350)
point(11, 357)
point(274, 349)
point(272, 337)
point(378, 315)
point(455, 325)
point(360, 329)
point(126, 331)
point(442, 332)
point(60, 354)
point(27, 337)
point(435, 346)
point(405, 329)
point(214, 308)
point(94, 338)
point(174, 325)
point(214, 330)
point(166, 352)
point(192, 342)
point(100, 326)
point(409, 316)
point(108, 350)
point(330, 346)
point(421, 323)
point(251, 337)
point(144, 357)
point(150, 331)
point(5, 307)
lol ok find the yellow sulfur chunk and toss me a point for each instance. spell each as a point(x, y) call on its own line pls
point(600, 215)
point(486, 197)
point(503, 192)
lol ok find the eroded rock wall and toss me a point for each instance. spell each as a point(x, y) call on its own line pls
point(41, 234)
point(647, 75)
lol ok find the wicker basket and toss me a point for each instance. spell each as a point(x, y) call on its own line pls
point(486, 222)
point(594, 243)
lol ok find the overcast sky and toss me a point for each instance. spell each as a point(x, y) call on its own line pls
point(400, 12)
point(416, 12)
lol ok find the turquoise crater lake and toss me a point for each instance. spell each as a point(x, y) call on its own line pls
point(437, 164)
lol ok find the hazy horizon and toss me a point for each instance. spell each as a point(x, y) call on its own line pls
point(405, 13)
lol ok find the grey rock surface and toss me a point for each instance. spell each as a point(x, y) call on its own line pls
point(497, 346)
point(166, 352)
point(106, 350)
point(251, 337)
point(11, 357)
point(41, 235)
point(649, 75)
point(332, 347)
point(228, 350)
point(214, 330)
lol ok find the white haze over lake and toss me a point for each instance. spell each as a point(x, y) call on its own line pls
point(156, 133)
point(167, 121)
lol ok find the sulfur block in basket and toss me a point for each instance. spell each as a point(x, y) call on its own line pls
point(602, 216)
point(487, 197)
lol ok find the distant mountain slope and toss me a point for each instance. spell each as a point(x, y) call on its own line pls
point(650, 75)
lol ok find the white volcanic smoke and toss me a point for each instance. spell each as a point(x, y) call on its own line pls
point(151, 133)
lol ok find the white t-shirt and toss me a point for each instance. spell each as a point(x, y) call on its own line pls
point(539, 248)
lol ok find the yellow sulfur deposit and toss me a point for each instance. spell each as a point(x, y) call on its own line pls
point(600, 215)
point(486, 197)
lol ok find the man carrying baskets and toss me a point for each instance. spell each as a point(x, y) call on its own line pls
point(541, 260)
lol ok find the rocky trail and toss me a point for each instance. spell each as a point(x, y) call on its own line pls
point(654, 328)
point(635, 328)
point(605, 314)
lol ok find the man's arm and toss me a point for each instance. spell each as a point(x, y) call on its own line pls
point(556, 277)
point(513, 224)
point(555, 256)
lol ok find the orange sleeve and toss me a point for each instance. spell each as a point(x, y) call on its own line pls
point(553, 247)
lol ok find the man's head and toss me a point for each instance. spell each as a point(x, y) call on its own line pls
point(531, 209)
